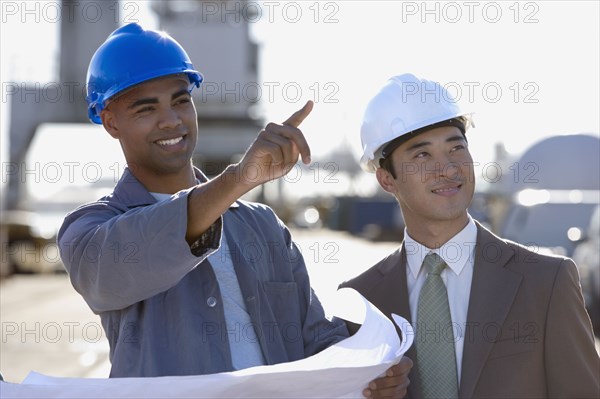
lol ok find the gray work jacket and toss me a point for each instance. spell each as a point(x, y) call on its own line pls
point(159, 300)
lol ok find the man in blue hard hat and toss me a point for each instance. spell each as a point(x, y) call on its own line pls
point(163, 259)
point(492, 318)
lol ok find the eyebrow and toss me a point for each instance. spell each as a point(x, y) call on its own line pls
point(458, 137)
point(154, 100)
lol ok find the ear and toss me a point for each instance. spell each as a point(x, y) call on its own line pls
point(109, 121)
point(385, 180)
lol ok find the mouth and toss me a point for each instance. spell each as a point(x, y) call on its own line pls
point(169, 142)
point(447, 190)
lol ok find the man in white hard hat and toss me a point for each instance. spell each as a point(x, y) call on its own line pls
point(187, 278)
point(491, 318)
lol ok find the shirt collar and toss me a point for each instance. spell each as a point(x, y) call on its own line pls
point(160, 196)
point(456, 252)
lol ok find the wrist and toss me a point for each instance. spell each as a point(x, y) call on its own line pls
point(238, 177)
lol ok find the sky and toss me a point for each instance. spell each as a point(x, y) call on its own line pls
point(527, 70)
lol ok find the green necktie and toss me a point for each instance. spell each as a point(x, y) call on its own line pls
point(436, 358)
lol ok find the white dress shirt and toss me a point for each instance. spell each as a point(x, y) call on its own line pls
point(458, 253)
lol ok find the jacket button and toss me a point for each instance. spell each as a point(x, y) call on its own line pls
point(211, 301)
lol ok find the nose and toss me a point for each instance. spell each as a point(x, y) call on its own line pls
point(169, 119)
point(446, 167)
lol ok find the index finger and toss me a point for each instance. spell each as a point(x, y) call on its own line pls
point(297, 117)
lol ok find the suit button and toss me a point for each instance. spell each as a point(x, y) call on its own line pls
point(211, 301)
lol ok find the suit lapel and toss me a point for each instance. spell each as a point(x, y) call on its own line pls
point(387, 287)
point(493, 290)
point(393, 273)
point(390, 292)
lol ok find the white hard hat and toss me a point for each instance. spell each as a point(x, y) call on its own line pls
point(404, 104)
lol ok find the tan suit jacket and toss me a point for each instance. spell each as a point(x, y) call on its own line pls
point(527, 335)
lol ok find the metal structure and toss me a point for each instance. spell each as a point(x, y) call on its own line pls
point(215, 34)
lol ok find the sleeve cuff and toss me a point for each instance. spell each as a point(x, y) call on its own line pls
point(209, 240)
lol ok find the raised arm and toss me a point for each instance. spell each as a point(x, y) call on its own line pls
point(272, 155)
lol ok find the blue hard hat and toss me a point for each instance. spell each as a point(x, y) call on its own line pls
point(132, 55)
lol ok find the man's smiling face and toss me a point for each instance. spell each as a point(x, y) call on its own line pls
point(435, 179)
point(156, 125)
